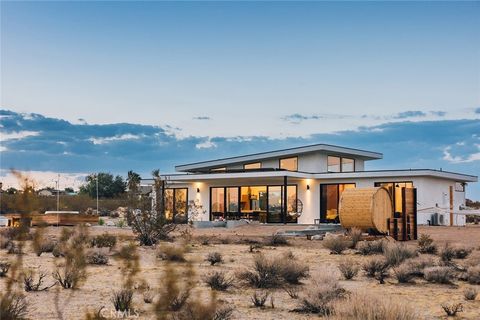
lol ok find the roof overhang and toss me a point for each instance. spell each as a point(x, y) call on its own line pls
point(334, 150)
point(399, 173)
point(277, 175)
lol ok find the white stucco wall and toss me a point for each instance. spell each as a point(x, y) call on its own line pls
point(431, 192)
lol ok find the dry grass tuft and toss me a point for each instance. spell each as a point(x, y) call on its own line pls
point(439, 274)
point(375, 266)
point(218, 281)
point(355, 235)
point(277, 240)
point(404, 273)
point(320, 297)
point(13, 306)
point(473, 275)
point(122, 300)
point(97, 257)
point(104, 240)
point(259, 298)
point(174, 253)
point(396, 253)
point(371, 247)
point(336, 244)
point(349, 268)
point(30, 284)
point(470, 293)
point(426, 245)
point(4, 267)
point(364, 306)
point(214, 258)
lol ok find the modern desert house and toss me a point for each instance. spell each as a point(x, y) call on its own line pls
point(303, 185)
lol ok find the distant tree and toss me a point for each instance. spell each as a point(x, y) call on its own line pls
point(133, 181)
point(108, 185)
point(472, 204)
point(69, 190)
point(11, 190)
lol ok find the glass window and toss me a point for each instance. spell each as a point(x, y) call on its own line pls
point(169, 204)
point(253, 202)
point(275, 204)
point(333, 164)
point(232, 202)
point(291, 203)
point(180, 198)
point(395, 190)
point(217, 202)
point(348, 165)
point(218, 169)
point(329, 200)
point(290, 164)
point(256, 165)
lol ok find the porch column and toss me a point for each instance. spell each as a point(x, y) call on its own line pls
point(284, 211)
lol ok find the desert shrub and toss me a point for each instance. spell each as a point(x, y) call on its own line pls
point(174, 253)
point(3, 242)
point(214, 258)
point(336, 244)
point(218, 281)
point(13, 248)
point(320, 297)
point(277, 240)
point(44, 246)
point(72, 245)
point(396, 253)
point(4, 267)
point(470, 293)
point(473, 275)
point(418, 264)
point(364, 306)
point(371, 247)
point(58, 251)
point(30, 284)
point(404, 273)
point(122, 300)
point(375, 266)
point(104, 241)
point(355, 235)
point(204, 240)
point(101, 222)
point(452, 309)
point(259, 298)
point(273, 272)
point(97, 257)
point(461, 252)
point(292, 271)
point(438, 274)
point(426, 245)
point(292, 291)
point(148, 295)
point(447, 253)
point(266, 273)
point(13, 306)
point(349, 268)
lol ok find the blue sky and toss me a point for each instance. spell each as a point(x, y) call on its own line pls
point(143, 85)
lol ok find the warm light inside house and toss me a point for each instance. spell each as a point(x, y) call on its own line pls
point(256, 165)
point(290, 164)
point(330, 198)
point(395, 190)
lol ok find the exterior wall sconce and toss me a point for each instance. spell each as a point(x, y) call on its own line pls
point(308, 187)
point(198, 190)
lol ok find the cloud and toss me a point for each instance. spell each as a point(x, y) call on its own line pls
point(127, 136)
point(438, 113)
point(207, 144)
point(16, 135)
point(201, 118)
point(409, 114)
point(61, 146)
point(297, 117)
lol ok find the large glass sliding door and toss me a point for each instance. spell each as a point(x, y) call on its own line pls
point(329, 201)
point(260, 203)
point(275, 200)
point(176, 204)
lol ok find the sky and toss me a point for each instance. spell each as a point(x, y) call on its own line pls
point(118, 86)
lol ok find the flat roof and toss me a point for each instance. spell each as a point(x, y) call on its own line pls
point(336, 150)
point(402, 173)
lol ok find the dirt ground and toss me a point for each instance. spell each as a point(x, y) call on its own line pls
point(96, 291)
